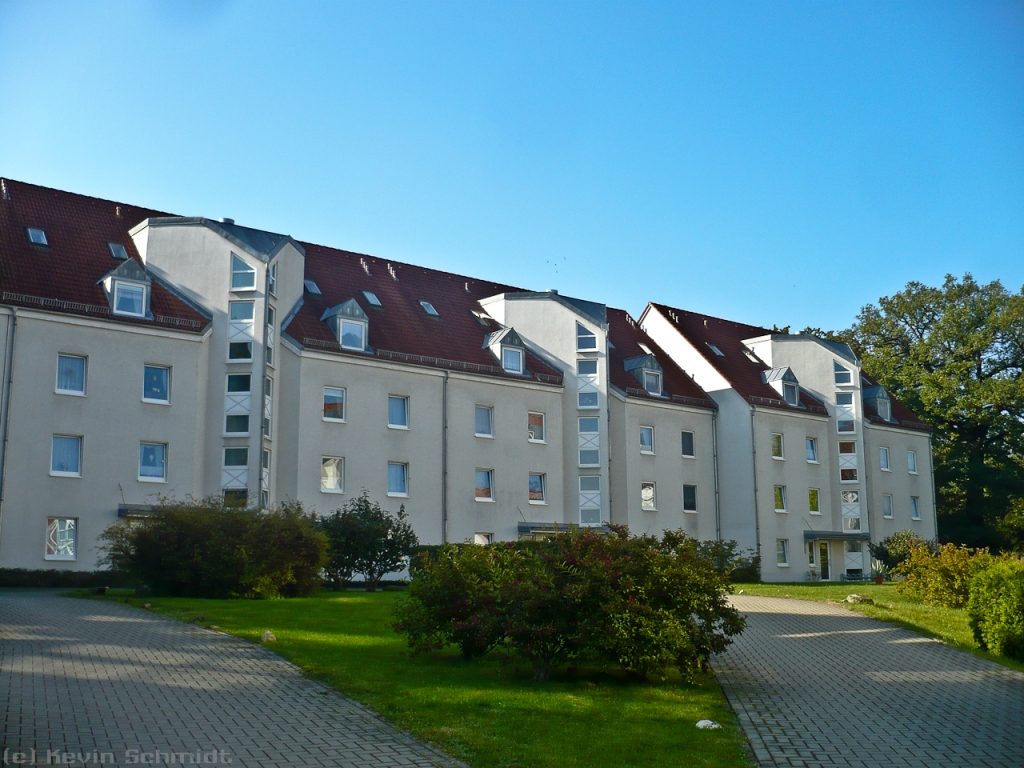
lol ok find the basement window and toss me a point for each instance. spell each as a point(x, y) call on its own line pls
point(429, 309)
point(37, 236)
point(118, 251)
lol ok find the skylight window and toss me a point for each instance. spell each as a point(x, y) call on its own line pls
point(118, 251)
point(645, 348)
point(715, 349)
point(311, 287)
point(429, 309)
point(37, 236)
point(481, 317)
point(750, 355)
point(372, 298)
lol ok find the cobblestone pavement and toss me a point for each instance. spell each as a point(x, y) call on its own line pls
point(79, 676)
point(817, 685)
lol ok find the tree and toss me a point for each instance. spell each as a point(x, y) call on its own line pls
point(368, 540)
point(954, 355)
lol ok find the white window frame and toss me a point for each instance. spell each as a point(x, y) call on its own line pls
point(489, 472)
point(915, 507)
point(120, 285)
point(779, 491)
point(81, 456)
point(66, 558)
point(890, 514)
point(812, 443)
point(655, 376)
point(344, 405)
point(912, 462)
point(694, 510)
point(653, 448)
point(518, 354)
point(490, 419)
point(85, 377)
point(483, 539)
point(272, 280)
point(155, 401)
point(341, 475)
point(887, 407)
point(581, 432)
point(791, 388)
point(782, 553)
point(654, 496)
point(153, 478)
point(884, 463)
point(248, 424)
point(839, 370)
point(584, 333)
point(233, 360)
point(543, 426)
point(405, 474)
point(856, 475)
point(693, 442)
point(543, 488)
point(579, 401)
point(587, 362)
point(363, 328)
point(817, 498)
point(781, 455)
point(224, 456)
point(851, 431)
point(246, 269)
point(406, 406)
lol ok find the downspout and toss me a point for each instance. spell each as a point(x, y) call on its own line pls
point(935, 495)
point(753, 462)
point(444, 459)
point(714, 450)
point(12, 331)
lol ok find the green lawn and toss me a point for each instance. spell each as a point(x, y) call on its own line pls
point(488, 713)
point(950, 625)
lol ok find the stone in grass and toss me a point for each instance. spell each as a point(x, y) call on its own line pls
point(859, 599)
point(708, 725)
point(268, 637)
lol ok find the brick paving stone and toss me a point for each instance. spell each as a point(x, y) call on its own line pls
point(84, 675)
point(820, 686)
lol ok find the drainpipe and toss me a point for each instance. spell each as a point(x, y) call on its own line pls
point(935, 496)
point(12, 331)
point(714, 449)
point(753, 462)
point(444, 459)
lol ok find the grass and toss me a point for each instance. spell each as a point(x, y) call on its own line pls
point(950, 625)
point(487, 712)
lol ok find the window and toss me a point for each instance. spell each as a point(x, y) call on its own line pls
point(810, 553)
point(483, 539)
point(590, 501)
point(484, 421)
point(780, 498)
point(912, 462)
point(353, 335)
point(70, 375)
point(652, 382)
point(236, 497)
point(243, 277)
point(589, 456)
point(848, 475)
point(429, 309)
point(398, 479)
point(372, 298)
point(586, 367)
point(484, 481)
point(791, 394)
point(129, 299)
point(887, 505)
point(272, 279)
point(689, 498)
point(398, 412)
point(842, 374)
point(236, 424)
point(118, 251)
point(236, 457)
point(812, 450)
point(851, 497)
point(585, 340)
point(61, 538)
point(334, 404)
point(853, 547)
point(270, 356)
point(846, 425)
point(156, 384)
point(915, 508)
point(814, 501)
point(851, 523)
point(37, 236)
point(884, 410)
point(271, 316)
point(535, 427)
point(312, 287)
point(883, 459)
point(782, 552)
point(153, 462)
point(715, 349)
point(332, 474)
point(847, 447)
point(647, 440)
point(688, 446)
point(538, 488)
point(66, 456)
point(239, 382)
point(512, 359)
point(648, 496)
point(240, 352)
point(777, 446)
point(844, 399)
point(241, 311)
point(588, 400)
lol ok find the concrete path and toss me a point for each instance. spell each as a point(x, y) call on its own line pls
point(79, 677)
point(818, 685)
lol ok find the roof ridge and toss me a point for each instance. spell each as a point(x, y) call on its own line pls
point(86, 197)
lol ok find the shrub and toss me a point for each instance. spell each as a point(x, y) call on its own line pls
point(729, 561)
point(368, 540)
point(996, 608)
point(893, 550)
point(943, 576)
point(45, 577)
point(208, 548)
point(637, 602)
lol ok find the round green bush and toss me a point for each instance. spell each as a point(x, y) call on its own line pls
point(996, 608)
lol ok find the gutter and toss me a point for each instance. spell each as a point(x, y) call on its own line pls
point(12, 332)
point(444, 459)
point(714, 450)
point(753, 462)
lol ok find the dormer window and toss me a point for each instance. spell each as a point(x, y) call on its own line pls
point(350, 325)
point(37, 236)
point(118, 251)
point(372, 298)
point(243, 276)
point(647, 370)
point(128, 289)
point(586, 341)
point(429, 309)
point(353, 335)
point(129, 299)
point(791, 394)
point(884, 410)
point(512, 359)
point(652, 382)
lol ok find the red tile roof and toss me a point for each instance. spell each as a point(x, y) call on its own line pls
point(401, 329)
point(904, 417)
point(626, 336)
point(63, 275)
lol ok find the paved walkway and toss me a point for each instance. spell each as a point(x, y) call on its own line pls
point(79, 676)
point(818, 685)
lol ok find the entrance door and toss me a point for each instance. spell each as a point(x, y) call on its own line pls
point(823, 559)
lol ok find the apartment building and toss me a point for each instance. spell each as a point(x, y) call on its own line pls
point(149, 355)
point(818, 459)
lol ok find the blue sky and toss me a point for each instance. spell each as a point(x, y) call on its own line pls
point(778, 162)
